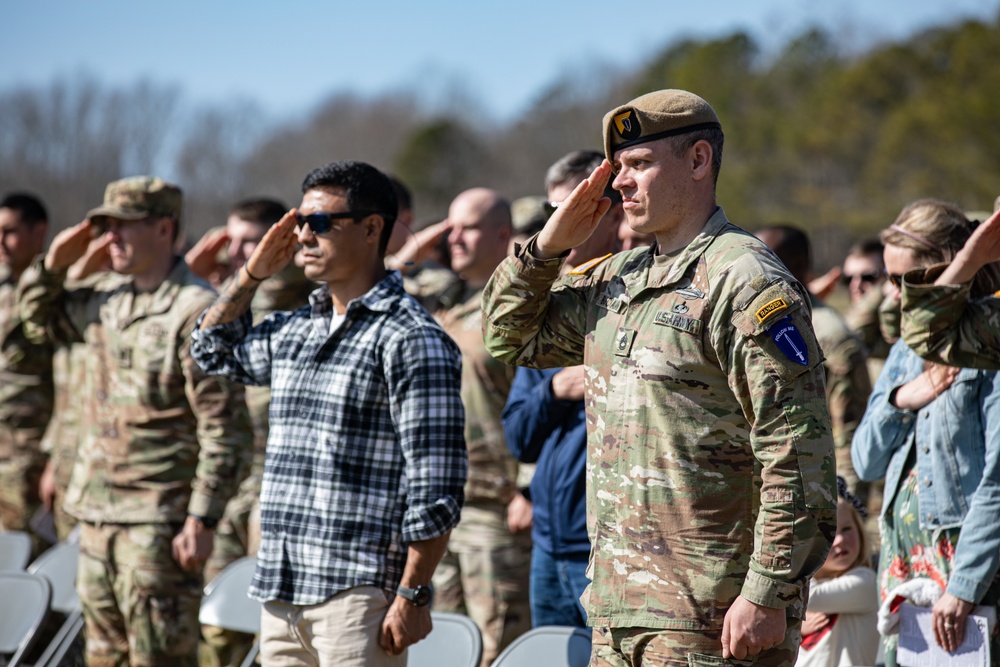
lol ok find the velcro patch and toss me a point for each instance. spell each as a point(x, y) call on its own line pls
point(683, 322)
point(770, 309)
point(788, 339)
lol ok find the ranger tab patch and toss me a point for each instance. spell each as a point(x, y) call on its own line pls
point(769, 309)
point(789, 341)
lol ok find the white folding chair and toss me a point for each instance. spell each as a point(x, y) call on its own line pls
point(227, 606)
point(15, 551)
point(454, 641)
point(548, 646)
point(58, 565)
point(23, 612)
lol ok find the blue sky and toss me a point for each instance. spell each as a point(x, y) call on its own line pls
point(288, 56)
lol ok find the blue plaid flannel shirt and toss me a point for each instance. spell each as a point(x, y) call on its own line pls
point(366, 451)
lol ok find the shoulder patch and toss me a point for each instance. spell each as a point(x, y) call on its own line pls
point(770, 309)
point(587, 266)
point(788, 339)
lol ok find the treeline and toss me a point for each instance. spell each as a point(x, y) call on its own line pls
point(834, 141)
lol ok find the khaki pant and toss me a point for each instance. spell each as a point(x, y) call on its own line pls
point(485, 574)
point(341, 632)
point(645, 647)
point(140, 608)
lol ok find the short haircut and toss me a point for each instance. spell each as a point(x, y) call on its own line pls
point(261, 211)
point(28, 207)
point(577, 166)
point(869, 246)
point(715, 138)
point(365, 188)
point(791, 245)
point(403, 196)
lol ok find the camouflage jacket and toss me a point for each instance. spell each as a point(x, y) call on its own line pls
point(493, 470)
point(163, 439)
point(26, 391)
point(942, 324)
point(847, 382)
point(710, 470)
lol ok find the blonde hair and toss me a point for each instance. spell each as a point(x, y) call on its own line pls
point(935, 231)
point(864, 554)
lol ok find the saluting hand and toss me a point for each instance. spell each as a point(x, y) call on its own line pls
point(982, 248)
point(202, 258)
point(276, 249)
point(577, 216)
point(68, 246)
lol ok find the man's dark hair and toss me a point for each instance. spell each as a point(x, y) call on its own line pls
point(715, 139)
point(29, 208)
point(261, 211)
point(404, 198)
point(791, 245)
point(577, 166)
point(365, 188)
point(869, 246)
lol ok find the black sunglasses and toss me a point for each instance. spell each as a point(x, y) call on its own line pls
point(865, 277)
point(896, 279)
point(321, 223)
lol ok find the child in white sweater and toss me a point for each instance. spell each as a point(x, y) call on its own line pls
point(839, 629)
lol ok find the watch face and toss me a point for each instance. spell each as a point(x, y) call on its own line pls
point(421, 596)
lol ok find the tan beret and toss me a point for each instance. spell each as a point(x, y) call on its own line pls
point(664, 113)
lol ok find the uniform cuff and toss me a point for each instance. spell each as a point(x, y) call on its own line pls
point(768, 592)
point(202, 505)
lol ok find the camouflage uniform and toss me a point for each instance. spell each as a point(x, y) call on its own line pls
point(26, 396)
point(710, 460)
point(163, 441)
point(238, 532)
point(847, 386)
point(485, 570)
point(941, 324)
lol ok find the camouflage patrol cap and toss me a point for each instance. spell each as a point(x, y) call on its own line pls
point(664, 113)
point(528, 214)
point(138, 197)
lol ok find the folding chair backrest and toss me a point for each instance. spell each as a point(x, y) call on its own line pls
point(15, 551)
point(23, 611)
point(549, 645)
point(58, 565)
point(226, 604)
point(454, 641)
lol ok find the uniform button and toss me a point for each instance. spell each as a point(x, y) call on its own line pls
point(927, 482)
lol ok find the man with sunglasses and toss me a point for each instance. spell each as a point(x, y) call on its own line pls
point(365, 459)
point(165, 444)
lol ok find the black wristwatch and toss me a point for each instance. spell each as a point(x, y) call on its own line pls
point(419, 596)
point(207, 521)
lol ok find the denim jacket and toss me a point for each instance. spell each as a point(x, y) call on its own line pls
point(957, 441)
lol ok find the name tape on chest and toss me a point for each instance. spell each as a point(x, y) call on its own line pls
point(676, 320)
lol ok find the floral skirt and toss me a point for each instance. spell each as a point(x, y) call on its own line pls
point(910, 552)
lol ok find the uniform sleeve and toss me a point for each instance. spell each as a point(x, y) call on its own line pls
point(528, 321)
point(51, 312)
point(775, 369)
point(941, 324)
point(424, 377)
point(225, 437)
point(884, 427)
point(848, 387)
